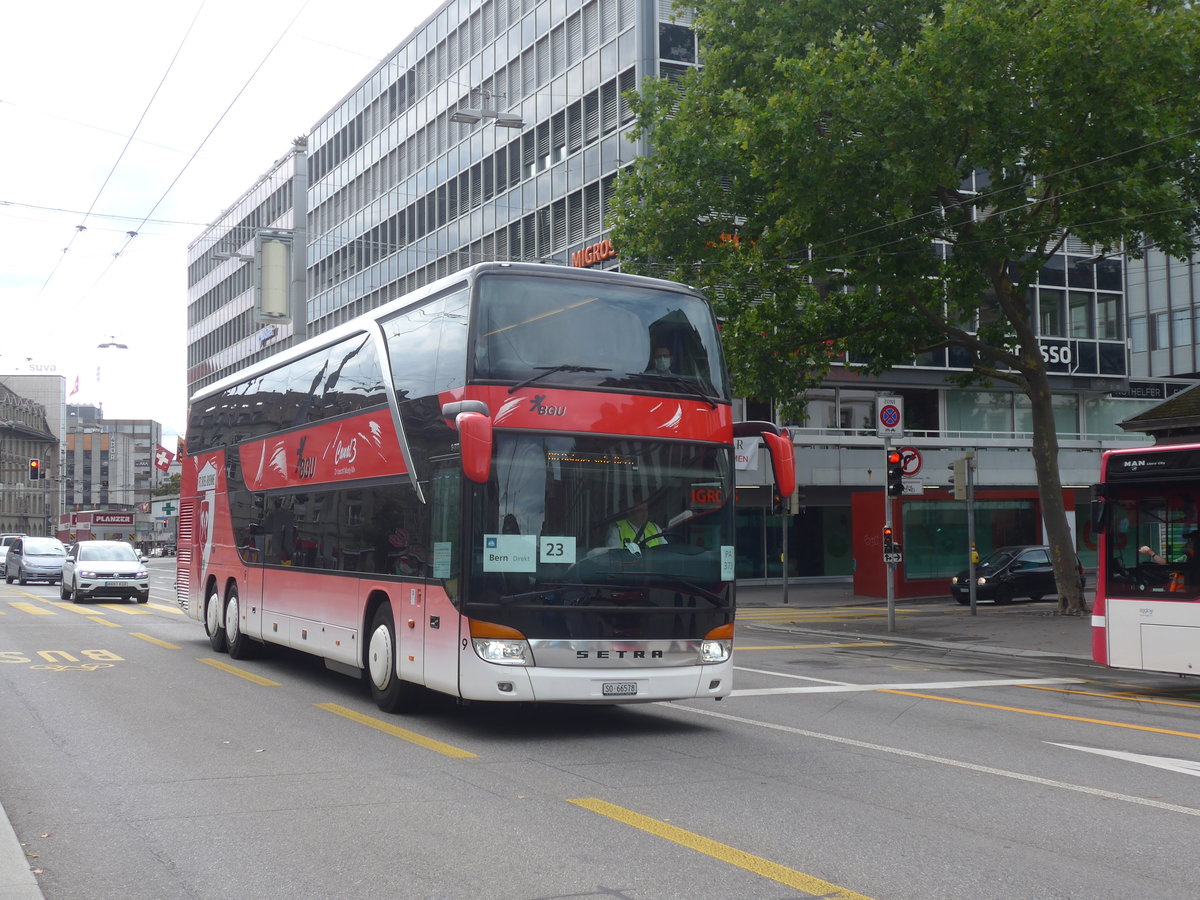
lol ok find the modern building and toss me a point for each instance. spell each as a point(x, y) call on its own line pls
point(496, 130)
point(109, 466)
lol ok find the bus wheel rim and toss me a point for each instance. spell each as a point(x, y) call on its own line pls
point(212, 615)
point(379, 658)
point(231, 617)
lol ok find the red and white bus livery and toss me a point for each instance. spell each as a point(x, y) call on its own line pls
point(427, 495)
point(1146, 511)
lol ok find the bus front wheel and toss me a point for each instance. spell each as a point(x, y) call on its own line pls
point(390, 693)
point(212, 622)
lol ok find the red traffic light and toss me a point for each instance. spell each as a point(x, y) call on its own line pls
point(35, 469)
point(894, 458)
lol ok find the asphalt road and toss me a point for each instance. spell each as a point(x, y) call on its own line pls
point(136, 763)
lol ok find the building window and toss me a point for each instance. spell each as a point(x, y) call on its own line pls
point(676, 42)
point(1081, 314)
point(1160, 332)
point(1108, 317)
point(1051, 319)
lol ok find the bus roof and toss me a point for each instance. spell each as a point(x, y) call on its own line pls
point(467, 275)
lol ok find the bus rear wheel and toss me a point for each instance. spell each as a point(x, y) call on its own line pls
point(390, 693)
point(212, 622)
point(239, 645)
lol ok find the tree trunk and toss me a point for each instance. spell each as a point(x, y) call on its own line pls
point(1054, 510)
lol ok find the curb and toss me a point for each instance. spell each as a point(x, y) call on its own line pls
point(17, 881)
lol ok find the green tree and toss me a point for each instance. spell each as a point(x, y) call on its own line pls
point(169, 488)
point(812, 175)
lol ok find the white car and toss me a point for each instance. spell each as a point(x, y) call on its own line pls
point(104, 569)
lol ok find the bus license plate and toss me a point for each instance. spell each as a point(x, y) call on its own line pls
point(619, 688)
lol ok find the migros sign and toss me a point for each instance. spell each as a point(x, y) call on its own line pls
point(589, 256)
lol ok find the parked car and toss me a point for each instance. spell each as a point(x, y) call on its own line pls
point(1010, 572)
point(34, 559)
point(104, 569)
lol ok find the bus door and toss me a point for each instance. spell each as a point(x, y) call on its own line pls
point(410, 632)
point(442, 618)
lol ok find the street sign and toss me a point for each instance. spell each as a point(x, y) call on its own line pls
point(913, 488)
point(889, 416)
point(910, 461)
point(893, 557)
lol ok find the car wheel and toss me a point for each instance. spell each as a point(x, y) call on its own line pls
point(389, 692)
point(8, 579)
point(143, 598)
point(212, 623)
point(239, 645)
point(1004, 595)
point(73, 594)
point(63, 593)
point(21, 579)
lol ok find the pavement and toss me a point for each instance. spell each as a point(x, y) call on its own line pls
point(823, 608)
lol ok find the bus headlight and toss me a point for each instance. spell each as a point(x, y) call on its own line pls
point(506, 653)
point(500, 644)
point(717, 644)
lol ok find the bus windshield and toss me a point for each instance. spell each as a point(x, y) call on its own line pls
point(573, 332)
point(1160, 518)
point(581, 526)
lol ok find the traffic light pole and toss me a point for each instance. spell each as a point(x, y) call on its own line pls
point(890, 571)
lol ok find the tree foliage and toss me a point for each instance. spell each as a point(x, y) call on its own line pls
point(885, 177)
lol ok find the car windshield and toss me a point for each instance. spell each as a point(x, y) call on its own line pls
point(44, 547)
point(107, 552)
point(997, 559)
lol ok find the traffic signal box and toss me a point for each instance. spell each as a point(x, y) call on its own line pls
point(895, 474)
point(35, 469)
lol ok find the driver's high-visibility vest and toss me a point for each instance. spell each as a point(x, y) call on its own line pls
point(630, 533)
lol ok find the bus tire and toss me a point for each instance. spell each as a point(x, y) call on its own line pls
point(240, 646)
point(212, 622)
point(391, 694)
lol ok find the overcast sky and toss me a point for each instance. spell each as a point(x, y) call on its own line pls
point(149, 117)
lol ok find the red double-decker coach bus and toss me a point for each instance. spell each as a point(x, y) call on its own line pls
point(515, 483)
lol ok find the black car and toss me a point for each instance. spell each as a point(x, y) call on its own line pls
point(1010, 572)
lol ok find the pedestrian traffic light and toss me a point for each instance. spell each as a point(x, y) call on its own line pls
point(35, 469)
point(889, 542)
point(895, 473)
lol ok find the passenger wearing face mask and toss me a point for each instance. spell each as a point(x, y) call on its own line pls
point(661, 361)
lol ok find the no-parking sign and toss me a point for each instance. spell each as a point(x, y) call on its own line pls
point(889, 416)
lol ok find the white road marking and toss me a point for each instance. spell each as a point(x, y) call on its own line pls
point(837, 687)
point(941, 760)
point(1183, 766)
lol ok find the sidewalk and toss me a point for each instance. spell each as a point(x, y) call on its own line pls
point(1022, 629)
point(17, 881)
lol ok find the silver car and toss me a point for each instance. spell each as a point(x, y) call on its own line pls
point(34, 559)
point(104, 569)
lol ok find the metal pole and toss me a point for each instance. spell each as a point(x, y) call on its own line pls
point(887, 523)
point(970, 467)
point(787, 514)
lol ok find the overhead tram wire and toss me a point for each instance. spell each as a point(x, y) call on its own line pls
point(82, 226)
point(131, 234)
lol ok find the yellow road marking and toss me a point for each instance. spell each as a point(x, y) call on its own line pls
point(722, 852)
point(1105, 696)
point(240, 673)
point(128, 608)
point(815, 646)
point(106, 622)
point(154, 640)
point(30, 608)
point(161, 607)
point(75, 608)
point(403, 733)
point(1047, 715)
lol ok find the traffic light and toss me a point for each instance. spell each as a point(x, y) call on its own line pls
point(895, 473)
point(35, 469)
point(889, 541)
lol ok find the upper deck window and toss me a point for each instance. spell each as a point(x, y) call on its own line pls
point(608, 335)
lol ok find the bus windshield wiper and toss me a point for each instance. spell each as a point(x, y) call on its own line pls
point(689, 389)
point(550, 370)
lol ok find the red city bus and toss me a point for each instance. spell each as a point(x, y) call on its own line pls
point(1147, 610)
point(440, 493)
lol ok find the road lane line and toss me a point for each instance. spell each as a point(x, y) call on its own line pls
point(162, 607)
point(395, 731)
point(836, 688)
point(154, 640)
point(721, 852)
point(1046, 715)
point(1137, 698)
point(128, 609)
point(741, 647)
point(30, 608)
point(240, 673)
point(941, 760)
point(75, 608)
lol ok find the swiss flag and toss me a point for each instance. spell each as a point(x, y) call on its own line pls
point(162, 457)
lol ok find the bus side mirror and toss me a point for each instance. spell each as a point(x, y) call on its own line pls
point(783, 462)
point(475, 441)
